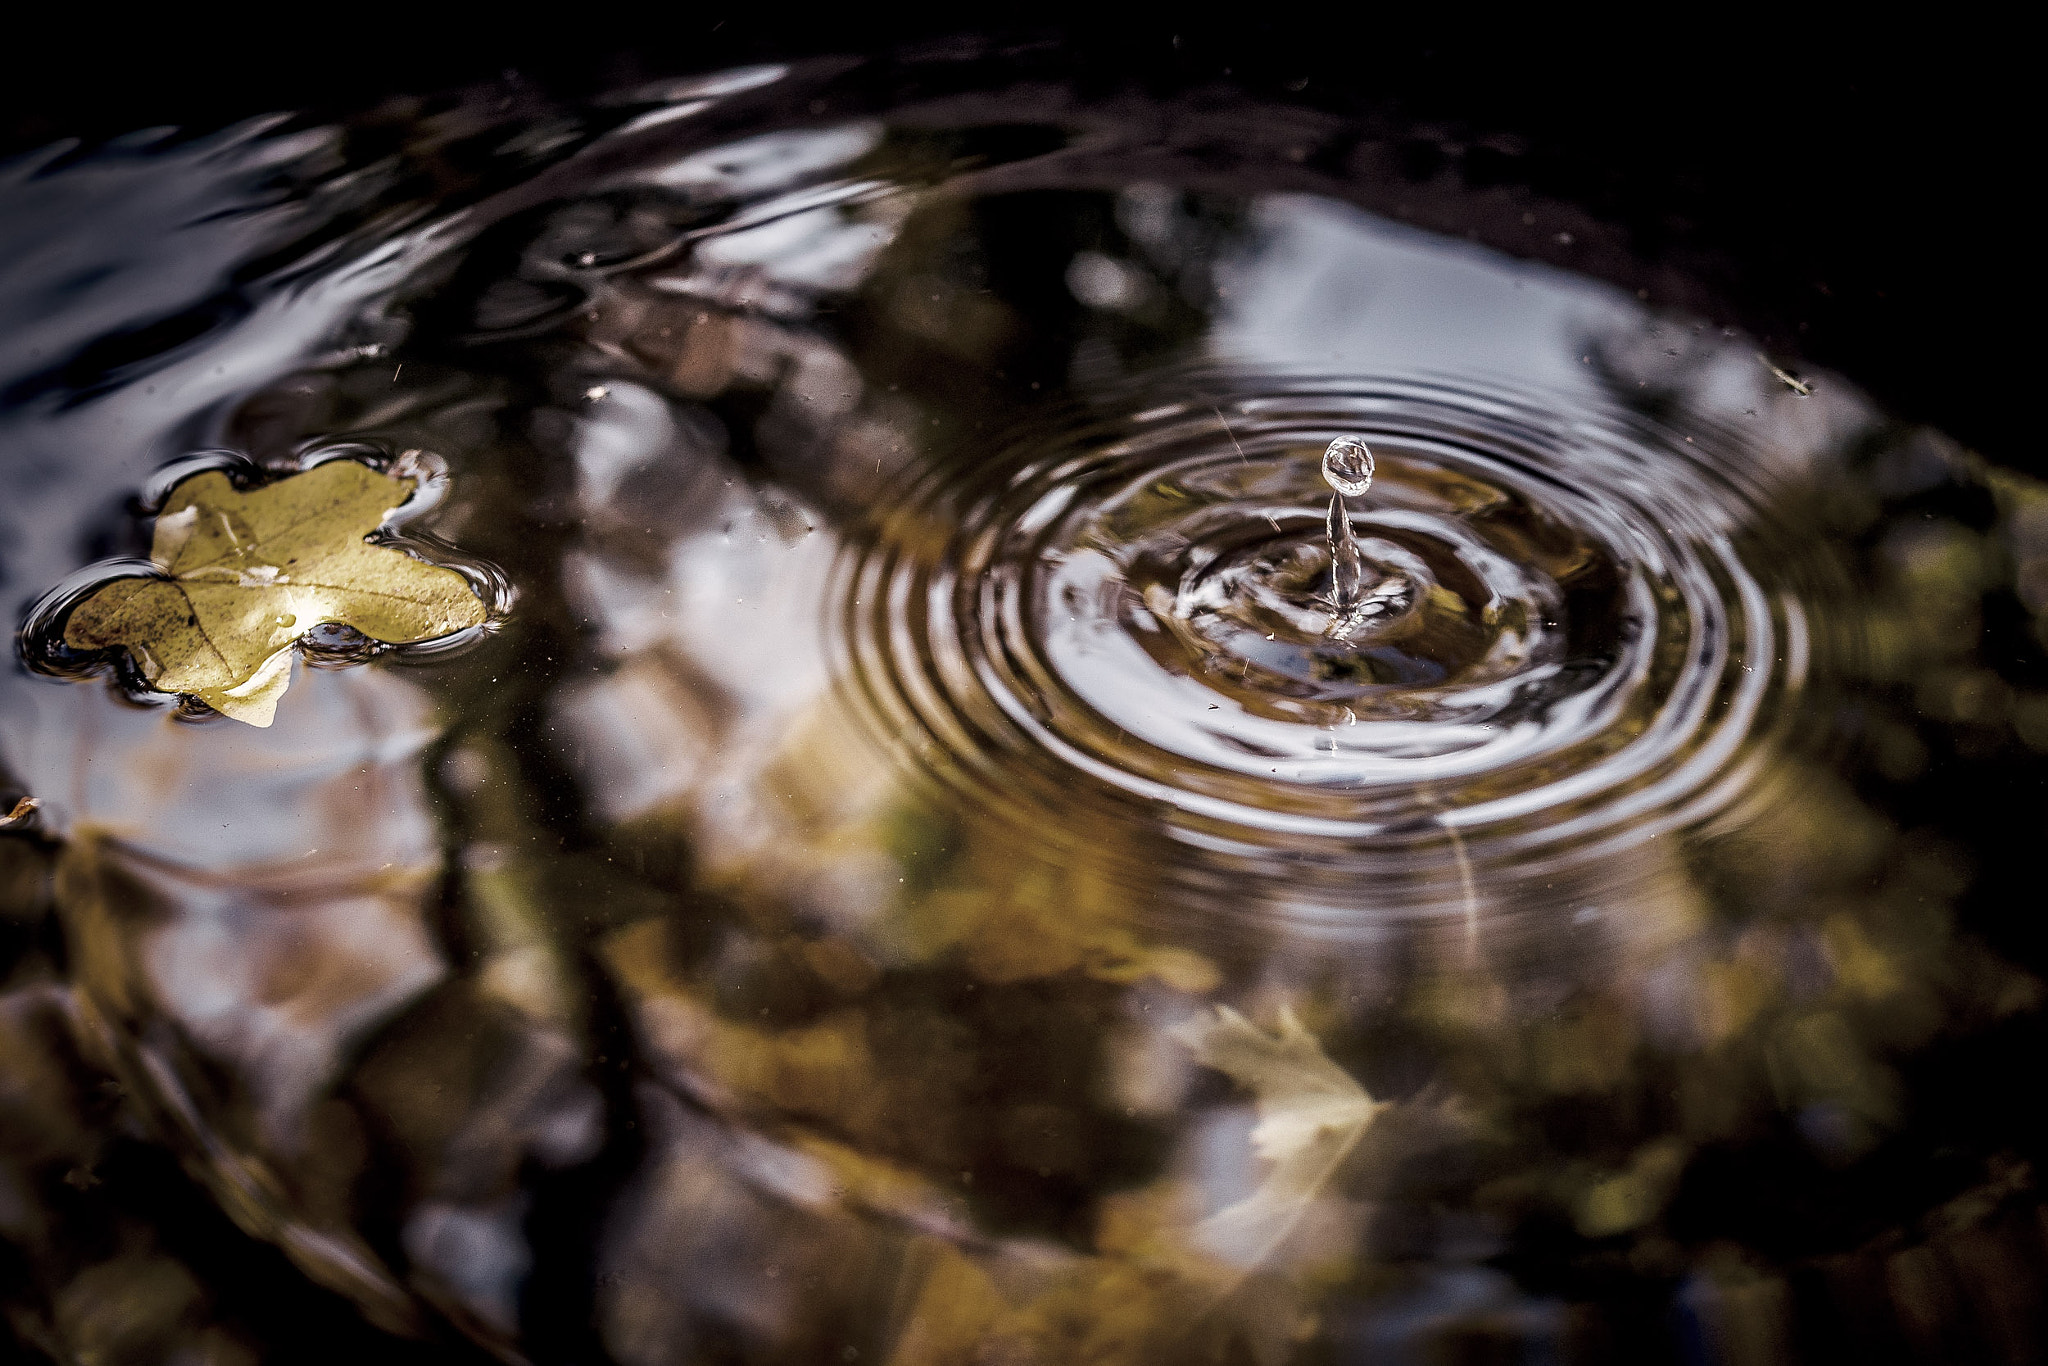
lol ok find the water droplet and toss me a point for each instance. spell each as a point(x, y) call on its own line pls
point(1348, 466)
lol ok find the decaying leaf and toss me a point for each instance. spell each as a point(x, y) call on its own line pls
point(1311, 1115)
point(245, 574)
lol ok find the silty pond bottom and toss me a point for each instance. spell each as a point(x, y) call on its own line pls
point(1071, 757)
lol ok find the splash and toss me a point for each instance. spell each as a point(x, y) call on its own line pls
point(1518, 644)
point(1347, 469)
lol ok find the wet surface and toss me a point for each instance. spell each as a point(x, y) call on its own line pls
point(933, 858)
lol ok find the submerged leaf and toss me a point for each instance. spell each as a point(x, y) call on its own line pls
point(1311, 1115)
point(246, 574)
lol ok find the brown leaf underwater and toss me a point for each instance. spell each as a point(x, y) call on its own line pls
point(245, 574)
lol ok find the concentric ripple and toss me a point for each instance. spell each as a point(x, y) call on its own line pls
point(1560, 649)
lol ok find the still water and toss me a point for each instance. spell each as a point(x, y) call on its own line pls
point(951, 846)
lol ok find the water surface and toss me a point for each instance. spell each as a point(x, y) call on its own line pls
point(909, 873)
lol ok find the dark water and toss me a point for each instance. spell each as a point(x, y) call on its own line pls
point(909, 873)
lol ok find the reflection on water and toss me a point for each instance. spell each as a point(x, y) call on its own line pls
point(941, 864)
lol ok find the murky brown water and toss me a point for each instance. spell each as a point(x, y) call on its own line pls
point(909, 873)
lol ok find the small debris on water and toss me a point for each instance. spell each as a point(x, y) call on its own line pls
point(1787, 378)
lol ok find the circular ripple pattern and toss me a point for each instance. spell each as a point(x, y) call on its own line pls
point(1561, 652)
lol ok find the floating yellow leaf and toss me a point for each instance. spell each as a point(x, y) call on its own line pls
point(245, 574)
point(1311, 1115)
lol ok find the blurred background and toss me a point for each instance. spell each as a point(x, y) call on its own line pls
point(1856, 194)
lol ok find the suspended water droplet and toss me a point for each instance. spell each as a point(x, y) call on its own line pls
point(1348, 466)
